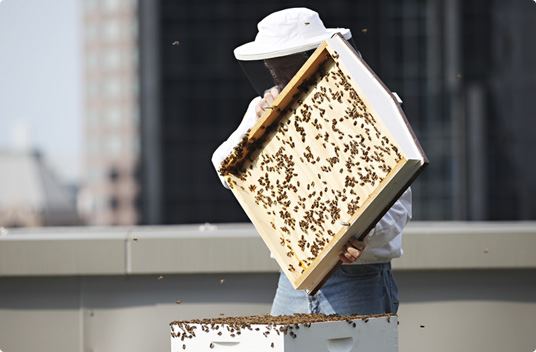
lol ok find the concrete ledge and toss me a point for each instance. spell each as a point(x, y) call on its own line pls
point(199, 249)
point(61, 253)
point(236, 248)
point(468, 245)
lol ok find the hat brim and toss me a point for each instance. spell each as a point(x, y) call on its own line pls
point(257, 51)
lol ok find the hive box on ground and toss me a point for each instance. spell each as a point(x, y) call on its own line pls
point(325, 163)
point(357, 334)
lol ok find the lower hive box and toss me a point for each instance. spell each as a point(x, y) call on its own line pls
point(300, 332)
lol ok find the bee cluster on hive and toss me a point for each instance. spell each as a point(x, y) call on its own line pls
point(315, 167)
point(266, 325)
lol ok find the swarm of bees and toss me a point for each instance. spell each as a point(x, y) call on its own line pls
point(315, 167)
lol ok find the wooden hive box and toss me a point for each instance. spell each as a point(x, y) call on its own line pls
point(325, 163)
point(311, 333)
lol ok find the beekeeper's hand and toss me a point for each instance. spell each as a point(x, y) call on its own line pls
point(352, 250)
point(266, 101)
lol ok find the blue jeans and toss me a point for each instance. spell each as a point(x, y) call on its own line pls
point(351, 289)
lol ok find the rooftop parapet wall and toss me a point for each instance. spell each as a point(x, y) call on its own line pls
point(236, 248)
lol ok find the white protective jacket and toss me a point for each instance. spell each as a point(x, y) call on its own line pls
point(383, 243)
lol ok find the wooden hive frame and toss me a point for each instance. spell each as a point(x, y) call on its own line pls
point(325, 163)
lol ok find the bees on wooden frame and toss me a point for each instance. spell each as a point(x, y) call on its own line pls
point(327, 156)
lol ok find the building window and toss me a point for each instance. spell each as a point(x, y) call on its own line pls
point(112, 88)
point(112, 30)
point(91, 32)
point(114, 146)
point(112, 59)
point(113, 174)
point(92, 60)
point(113, 5)
point(113, 116)
point(114, 202)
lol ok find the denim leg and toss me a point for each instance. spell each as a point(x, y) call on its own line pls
point(359, 289)
point(351, 289)
point(392, 289)
point(288, 301)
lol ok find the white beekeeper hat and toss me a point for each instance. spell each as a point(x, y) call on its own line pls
point(287, 32)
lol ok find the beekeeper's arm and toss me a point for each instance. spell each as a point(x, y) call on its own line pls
point(255, 109)
point(226, 148)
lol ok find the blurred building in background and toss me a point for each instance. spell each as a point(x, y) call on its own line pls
point(111, 145)
point(32, 194)
point(465, 70)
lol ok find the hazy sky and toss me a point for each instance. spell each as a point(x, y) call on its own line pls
point(40, 80)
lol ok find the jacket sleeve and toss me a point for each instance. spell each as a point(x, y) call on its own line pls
point(227, 146)
point(393, 222)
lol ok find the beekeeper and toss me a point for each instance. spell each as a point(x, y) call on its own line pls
point(363, 284)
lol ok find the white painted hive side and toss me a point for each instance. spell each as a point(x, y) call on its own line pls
point(378, 334)
point(369, 335)
point(246, 341)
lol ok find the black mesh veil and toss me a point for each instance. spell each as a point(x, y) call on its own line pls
point(274, 72)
